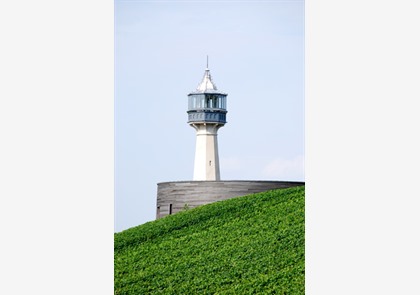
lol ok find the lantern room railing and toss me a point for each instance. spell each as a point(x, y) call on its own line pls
point(207, 116)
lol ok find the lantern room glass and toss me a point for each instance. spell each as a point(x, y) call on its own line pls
point(206, 101)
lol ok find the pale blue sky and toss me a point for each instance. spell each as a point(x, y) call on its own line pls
point(256, 55)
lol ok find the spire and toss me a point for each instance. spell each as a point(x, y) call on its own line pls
point(206, 83)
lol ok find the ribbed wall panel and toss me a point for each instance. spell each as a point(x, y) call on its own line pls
point(197, 193)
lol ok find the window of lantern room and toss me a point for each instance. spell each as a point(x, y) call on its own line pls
point(196, 102)
point(190, 102)
point(208, 101)
point(212, 102)
point(223, 102)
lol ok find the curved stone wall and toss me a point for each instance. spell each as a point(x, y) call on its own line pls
point(172, 197)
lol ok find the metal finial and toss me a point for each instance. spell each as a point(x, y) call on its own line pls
point(207, 61)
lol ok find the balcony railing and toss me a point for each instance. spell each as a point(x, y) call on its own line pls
point(207, 116)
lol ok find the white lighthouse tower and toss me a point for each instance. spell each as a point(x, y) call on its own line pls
point(206, 113)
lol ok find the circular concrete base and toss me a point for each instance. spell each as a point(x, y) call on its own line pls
point(173, 197)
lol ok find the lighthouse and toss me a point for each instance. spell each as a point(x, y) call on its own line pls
point(206, 114)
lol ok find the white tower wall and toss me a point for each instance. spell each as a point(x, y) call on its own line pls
point(206, 163)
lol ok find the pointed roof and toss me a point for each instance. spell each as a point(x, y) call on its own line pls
point(207, 85)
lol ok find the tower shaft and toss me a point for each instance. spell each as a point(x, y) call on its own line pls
point(206, 163)
point(206, 113)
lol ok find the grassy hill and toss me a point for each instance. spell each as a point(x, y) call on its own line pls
point(248, 245)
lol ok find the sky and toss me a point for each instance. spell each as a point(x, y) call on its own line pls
point(256, 55)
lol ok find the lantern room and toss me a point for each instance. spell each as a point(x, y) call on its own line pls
point(207, 104)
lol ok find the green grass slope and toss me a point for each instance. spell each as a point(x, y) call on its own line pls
point(248, 245)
